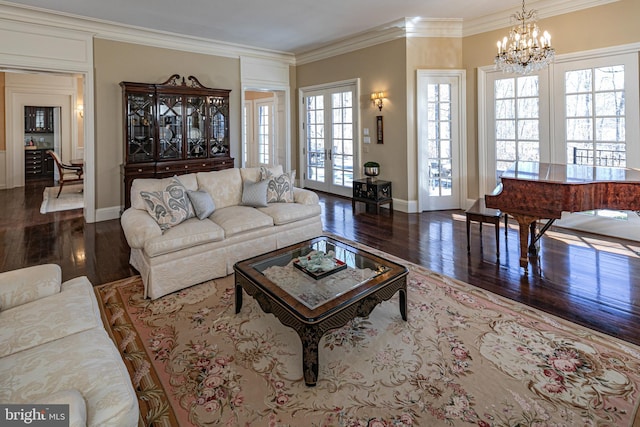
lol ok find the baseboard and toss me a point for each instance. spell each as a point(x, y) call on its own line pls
point(106, 214)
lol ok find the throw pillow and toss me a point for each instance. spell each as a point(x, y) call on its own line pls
point(179, 198)
point(158, 204)
point(280, 188)
point(255, 193)
point(169, 207)
point(202, 203)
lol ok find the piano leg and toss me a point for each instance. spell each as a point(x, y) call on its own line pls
point(525, 223)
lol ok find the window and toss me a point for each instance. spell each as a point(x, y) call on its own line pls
point(517, 121)
point(583, 118)
point(595, 116)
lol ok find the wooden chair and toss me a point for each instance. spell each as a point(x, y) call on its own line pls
point(69, 174)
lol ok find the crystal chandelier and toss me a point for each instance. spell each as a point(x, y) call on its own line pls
point(525, 50)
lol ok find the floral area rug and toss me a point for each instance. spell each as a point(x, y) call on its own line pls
point(464, 357)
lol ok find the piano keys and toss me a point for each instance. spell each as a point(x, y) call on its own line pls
point(531, 191)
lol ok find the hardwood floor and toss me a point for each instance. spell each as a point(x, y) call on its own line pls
point(585, 278)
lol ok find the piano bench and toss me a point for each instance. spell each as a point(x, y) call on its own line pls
point(480, 213)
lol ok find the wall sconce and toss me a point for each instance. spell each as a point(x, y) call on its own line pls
point(80, 109)
point(376, 98)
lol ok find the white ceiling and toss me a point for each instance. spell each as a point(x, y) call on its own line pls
point(294, 26)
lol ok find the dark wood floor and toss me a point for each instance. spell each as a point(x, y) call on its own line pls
point(588, 279)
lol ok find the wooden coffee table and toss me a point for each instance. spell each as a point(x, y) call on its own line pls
point(314, 306)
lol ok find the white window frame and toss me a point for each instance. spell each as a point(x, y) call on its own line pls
point(486, 124)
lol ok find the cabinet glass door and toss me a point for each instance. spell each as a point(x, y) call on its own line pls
point(218, 126)
point(139, 124)
point(170, 126)
point(195, 114)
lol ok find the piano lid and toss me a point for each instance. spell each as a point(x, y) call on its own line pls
point(569, 174)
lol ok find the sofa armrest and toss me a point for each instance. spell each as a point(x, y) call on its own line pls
point(28, 284)
point(138, 227)
point(73, 398)
point(305, 197)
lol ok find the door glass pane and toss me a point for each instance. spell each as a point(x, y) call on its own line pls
point(195, 112)
point(139, 120)
point(170, 127)
point(342, 139)
point(264, 134)
point(218, 126)
point(315, 138)
point(439, 142)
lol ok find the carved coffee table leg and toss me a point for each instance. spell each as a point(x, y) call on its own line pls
point(238, 298)
point(310, 337)
point(403, 302)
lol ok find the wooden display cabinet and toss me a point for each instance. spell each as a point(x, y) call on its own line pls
point(174, 128)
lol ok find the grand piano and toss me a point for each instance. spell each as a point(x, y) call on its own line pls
point(530, 191)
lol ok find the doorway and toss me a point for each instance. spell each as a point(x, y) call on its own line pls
point(441, 139)
point(59, 94)
point(330, 137)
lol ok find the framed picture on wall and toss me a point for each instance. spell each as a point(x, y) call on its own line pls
point(379, 132)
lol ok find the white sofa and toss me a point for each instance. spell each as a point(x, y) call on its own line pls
point(197, 250)
point(54, 349)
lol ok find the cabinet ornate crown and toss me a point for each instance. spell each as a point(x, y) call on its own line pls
point(175, 127)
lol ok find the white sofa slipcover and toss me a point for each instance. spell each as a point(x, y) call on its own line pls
point(197, 250)
point(54, 349)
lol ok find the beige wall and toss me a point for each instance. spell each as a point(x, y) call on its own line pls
point(380, 68)
point(613, 24)
point(424, 54)
point(116, 62)
point(3, 142)
point(390, 67)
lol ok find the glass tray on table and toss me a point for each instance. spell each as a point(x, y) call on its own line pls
point(328, 264)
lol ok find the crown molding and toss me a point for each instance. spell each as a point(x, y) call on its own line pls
point(544, 8)
point(136, 35)
point(402, 28)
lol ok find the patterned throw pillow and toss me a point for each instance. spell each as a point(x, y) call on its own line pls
point(158, 205)
point(169, 207)
point(280, 188)
point(254, 194)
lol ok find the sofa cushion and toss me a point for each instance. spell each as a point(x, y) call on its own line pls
point(72, 310)
point(88, 362)
point(284, 213)
point(254, 193)
point(253, 174)
point(238, 219)
point(157, 184)
point(224, 186)
point(202, 203)
point(192, 232)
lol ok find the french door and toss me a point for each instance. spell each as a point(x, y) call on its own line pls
point(330, 134)
point(440, 139)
